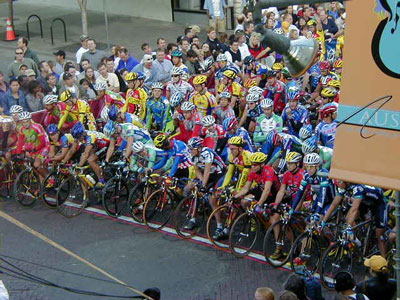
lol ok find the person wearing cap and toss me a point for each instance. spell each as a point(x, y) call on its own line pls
point(60, 61)
point(93, 55)
point(146, 66)
point(109, 79)
point(84, 48)
point(14, 67)
point(379, 287)
point(30, 74)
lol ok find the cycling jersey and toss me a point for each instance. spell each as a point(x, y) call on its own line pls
point(326, 156)
point(33, 139)
point(321, 186)
point(80, 111)
point(65, 141)
point(114, 98)
point(289, 143)
point(258, 179)
point(254, 113)
point(96, 139)
point(157, 113)
point(183, 87)
point(136, 102)
point(235, 89)
point(264, 125)
point(140, 162)
point(134, 119)
point(243, 164)
point(128, 130)
point(208, 156)
point(259, 71)
point(326, 133)
point(189, 128)
point(221, 113)
point(53, 117)
point(276, 92)
point(211, 135)
point(204, 102)
point(248, 143)
point(325, 79)
point(219, 74)
point(315, 74)
point(300, 117)
point(292, 181)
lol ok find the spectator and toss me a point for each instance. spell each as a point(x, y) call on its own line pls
point(146, 48)
point(28, 53)
point(14, 67)
point(171, 47)
point(188, 35)
point(206, 50)
point(147, 68)
point(215, 13)
point(69, 85)
point(115, 55)
point(3, 85)
point(224, 42)
point(248, 30)
point(162, 67)
point(93, 55)
point(212, 40)
point(344, 285)
point(341, 19)
point(34, 97)
point(30, 74)
point(90, 75)
point(328, 25)
point(161, 43)
point(334, 10)
point(52, 87)
point(240, 21)
point(264, 293)
point(60, 61)
point(233, 54)
point(126, 60)
point(110, 79)
point(192, 63)
point(45, 70)
point(84, 48)
point(22, 69)
point(23, 83)
point(196, 42)
point(243, 48)
point(287, 295)
point(86, 90)
point(185, 44)
point(296, 284)
point(290, 11)
point(13, 96)
point(256, 48)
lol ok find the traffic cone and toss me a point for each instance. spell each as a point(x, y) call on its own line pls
point(10, 34)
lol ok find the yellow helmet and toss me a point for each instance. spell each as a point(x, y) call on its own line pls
point(334, 83)
point(293, 157)
point(277, 66)
point(200, 79)
point(131, 76)
point(250, 83)
point(258, 158)
point(230, 74)
point(160, 140)
point(65, 95)
point(311, 22)
point(236, 141)
point(328, 92)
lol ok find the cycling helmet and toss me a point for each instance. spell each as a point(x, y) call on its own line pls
point(277, 66)
point(334, 83)
point(113, 113)
point(338, 63)
point(176, 71)
point(208, 62)
point(228, 123)
point(131, 76)
point(256, 90)
point(16, 109)
point(200, 79)
point(78, 130)
point(141, 76)
point(328, 92)
point(325, 80)
point(6, 119)
point(278, 30)
point(104, 114)
point(248, 60)
point(225, 95)
point(208, 121)
point(195, 142)
point(273, 138)
point(266, 103)
point(252, 98)
point(24, 116)
point(324, 65)
point(327, 109)
point(309, 146)
point(249, 83)
point(312, 159)
point(293, 93)
point(187, 106)
point(305, 132)
point(221, 57)
point(137, 147)
point(271, 73)
point(293, 157)
point(177, 53)
point(176, 99)
point(51, 129)
point(50, 99)
point(230, 74)
point(101, 86)
point(109, 128)
point(157, 85)
point(286, 74)
point(236, 141)
point(65, 95)
point(258, 158)
point(160, 140)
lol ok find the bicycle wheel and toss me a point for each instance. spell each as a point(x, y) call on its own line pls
point(115, 196)
point(277, 250)
point(243, 234)
point(49, 188)
point(212, 226)
point(305, 254)
point(27, 188)
point(137, 198)
point(8, 176)
point(336, 258)
point(158, 210)
point(185, 225)
point(71, 197)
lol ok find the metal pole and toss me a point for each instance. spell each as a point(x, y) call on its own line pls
point(106, 21)
point(397, 256)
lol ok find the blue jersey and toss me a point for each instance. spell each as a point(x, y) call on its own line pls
point(370, 195)
point(248, 143)
point(255, 112)
point(315, 76)
point(325, 133)
point(321, 186)
point(300, 117)
point(259, 70)
point(209, 156)
point(157, 111)
point(289, 143)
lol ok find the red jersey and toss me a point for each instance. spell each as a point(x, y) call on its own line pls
point(292, 182)
point(260, 178)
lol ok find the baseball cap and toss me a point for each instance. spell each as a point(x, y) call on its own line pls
point(376, 263)
point(83, 37)
point(30, 72)
point(147, 58)
point(60, 52)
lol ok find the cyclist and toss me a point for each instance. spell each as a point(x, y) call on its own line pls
point(108, 97)
point(136, 97)
point(189, 122)
point(235, 89)
point(251, 112)
point(222, 64)
point(231, 127)
point(15, 110)
point(326, 76)
point(144, 156)
point(9, 136)
point(254, 70)
point(76, 110)
point(294, 115)
point(275, 90)
point(337, 67)
point(53, 112)
point(212, 133)
point(116, 115)
point(157, 109)
point(177, 61)
point(224, 109)
point(325, 131)
point(201, 98)
point(60, 144)
point(325, 153)
point(305, 132)
point(335, 84)
point(178, 85)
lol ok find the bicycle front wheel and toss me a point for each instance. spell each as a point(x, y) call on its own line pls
point(224, 213)
point(27, 188)
point(187, 224)
point(115, 196)
point(137, 198)
point(243, 234)
point(71, 197)
point(158, 210)
point(49, 188)
point(305, 254)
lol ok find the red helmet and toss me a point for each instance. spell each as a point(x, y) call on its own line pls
point(324, 65)
point(327, 109)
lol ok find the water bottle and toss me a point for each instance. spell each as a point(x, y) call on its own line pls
point(91, 179)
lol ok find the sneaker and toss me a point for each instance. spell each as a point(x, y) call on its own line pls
point(277, 254)
point(50, 183)
point(190, 225)
point(220, 234)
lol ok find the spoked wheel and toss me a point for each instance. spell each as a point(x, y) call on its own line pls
point(157, 210)
point(219, 241)
point(277, 250)
point(243, 235)
point(336, 258)
point(27, 188)
point(137, 198)
point(49, 188)
point(71, 197)
point(305, 254)
point(8, 176)
point(115, 196)
point(188, 222)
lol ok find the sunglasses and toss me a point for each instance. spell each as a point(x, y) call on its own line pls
point(19, 52)
point(176, 75)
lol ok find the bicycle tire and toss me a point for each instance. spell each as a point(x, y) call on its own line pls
point(285, 241)
point(72, 197)
point(115, 196)
point(307, 249)
point(27, 188)
point(137, 200)
point(243, 235)
point(332, 259)
point(8, 177)
point(181, 219)
point(49, 194)
point(158, 210)
point(212, 226)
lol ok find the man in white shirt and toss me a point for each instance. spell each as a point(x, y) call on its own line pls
point(84, 48)
point(162, 67)
point(110, 79)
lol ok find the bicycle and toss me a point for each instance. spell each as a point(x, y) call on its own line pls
point(52, 182)
point(9, 171)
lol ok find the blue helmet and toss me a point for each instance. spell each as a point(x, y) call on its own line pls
point(305, 132)
point(78, 130)
point(309, 145)
point(176, 53)
point(113, 113)
point(228, 123)
point(51, 129)
point(195, 142)
point(176, 99)
point(293, 93)
point(141, 76)
point(109, 128)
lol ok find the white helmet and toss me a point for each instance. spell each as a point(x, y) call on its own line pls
point(221, 57)
point(256, 90)
point(208, 121)
point(267, 125)
point(176, 71)
point(266, 103)
point(225, 95)
point(312, 159)
point(137, 146)
point(104, 113)
point(278, 30)
point(252, 98)
point(50, 99)
point(304, 133)
point(100, 86)
point(208, 62)
point(24, 116)
point(187, 106)
point(6, 119)
point(157, 85)
point(16, 109)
